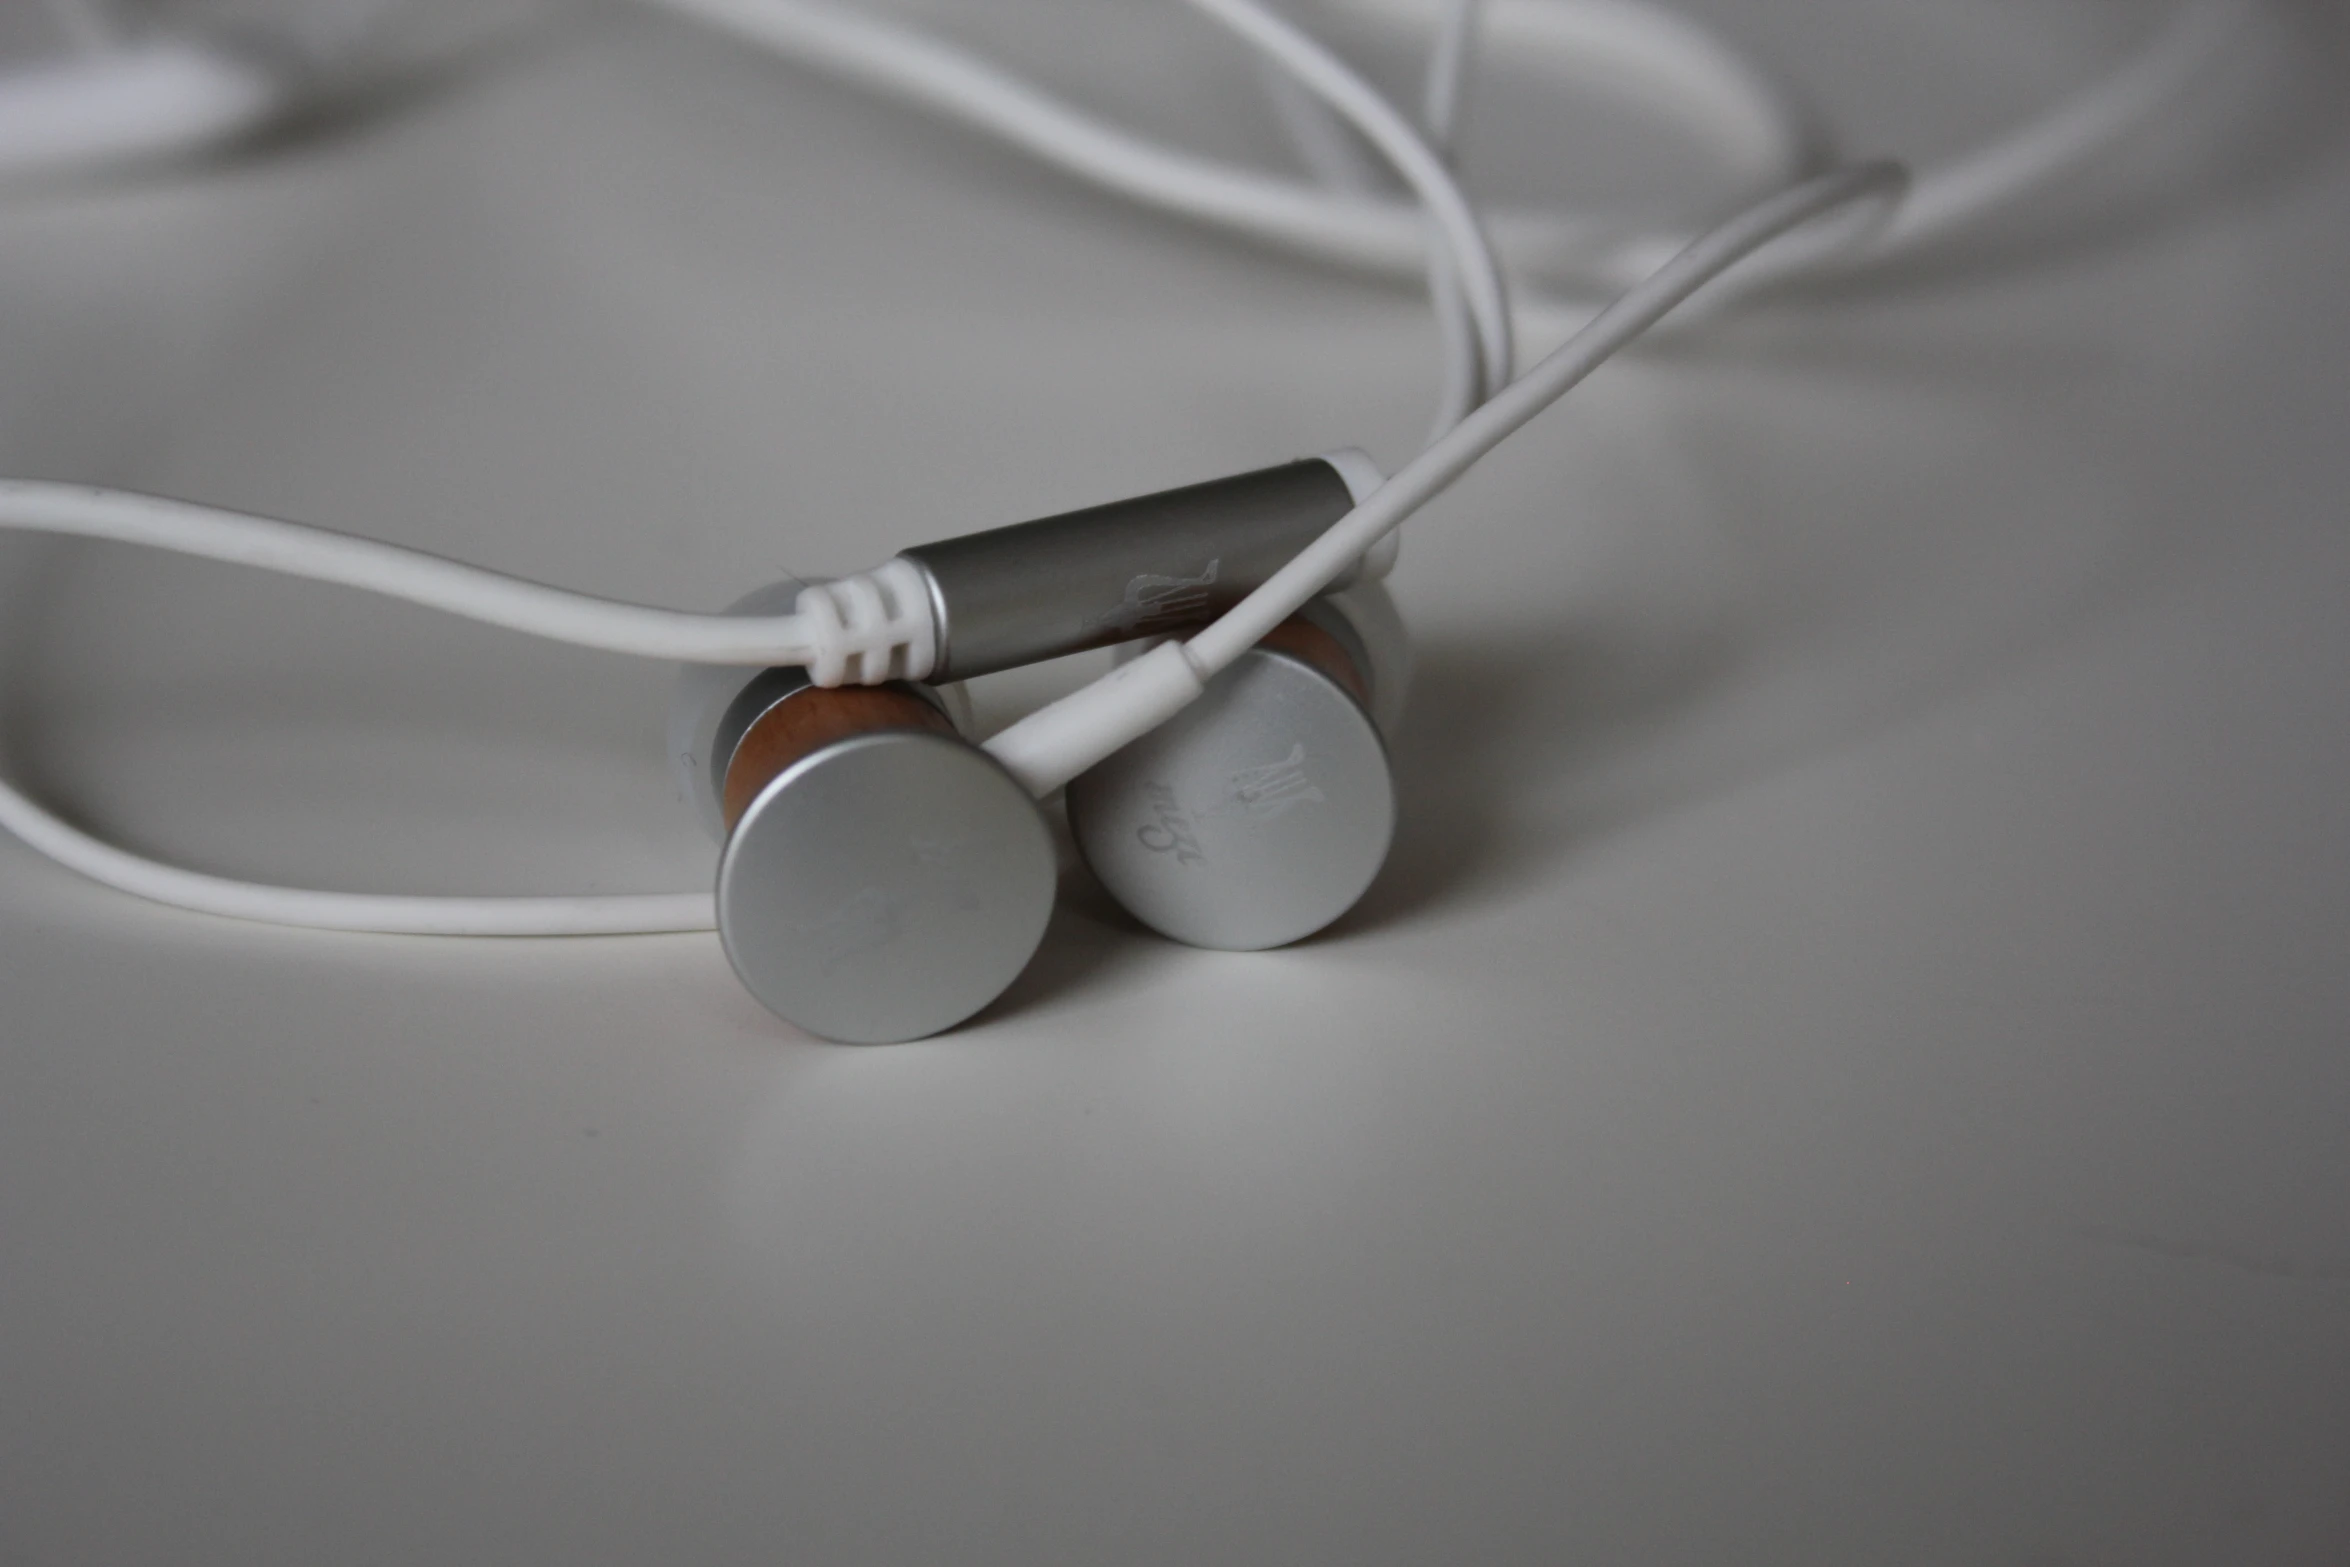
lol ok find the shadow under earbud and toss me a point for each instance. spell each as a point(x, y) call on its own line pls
point(1869, 565)
point(1088, 942)
point(1491, 725)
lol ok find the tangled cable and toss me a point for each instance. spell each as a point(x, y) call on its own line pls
point(1342, 216)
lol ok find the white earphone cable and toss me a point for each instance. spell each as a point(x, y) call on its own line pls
point(1772, 132)
point(383, 913)
point(1465, 286)
point(1043, 750)
point(1377, 232)
point(1474, 272)
point(1947, 198)
point(1703, 261)
point(474, 592)
point(1050, 746)
point(141, 100)
point(1444, 89)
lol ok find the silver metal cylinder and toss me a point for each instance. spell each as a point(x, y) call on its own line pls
point(881, 877)
point(698, 703)
point(1262, 812)
point(1134, 568)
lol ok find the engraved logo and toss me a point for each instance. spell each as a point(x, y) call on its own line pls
point(1169, 831)
point(1272, 790)
point(1153, 601)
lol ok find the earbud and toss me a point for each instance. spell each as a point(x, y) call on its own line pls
point(882, 878)
point(1262, 812)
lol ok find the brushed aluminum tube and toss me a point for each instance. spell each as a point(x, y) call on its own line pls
point(1134, 568)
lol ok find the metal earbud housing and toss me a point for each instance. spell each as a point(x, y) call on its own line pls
point(1262, 812)
point(882, 878)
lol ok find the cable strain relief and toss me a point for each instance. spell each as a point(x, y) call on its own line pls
point(1354, 465)
point(1363, 478)
point(1057, 742)
point(872, 627)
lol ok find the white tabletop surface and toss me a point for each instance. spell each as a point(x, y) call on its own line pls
point(1849, 1060)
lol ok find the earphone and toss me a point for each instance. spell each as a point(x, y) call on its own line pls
point(1262, 812)
point(881, 877)
point(906, 622)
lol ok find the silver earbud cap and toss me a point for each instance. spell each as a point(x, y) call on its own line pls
point(885, 887)
point(1254, 817)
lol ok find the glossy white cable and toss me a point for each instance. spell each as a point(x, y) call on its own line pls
point(835, 639)
point(142, 100)
point(418, 578)
point(1050, 746)
point(474, 592)
point(385, 913)
point(1043, 750)
point(1327, 142)
point(1674, 63)
point(1331, 152)
point(1464, 280)
point(1948, 197)
point(1335, 83)
point(1771, 132)
point(1330, 141)
point(933, 75)
point(1340, 159)
point(1444, 89)
point(1879, 186)
point(1377, 233)
point(1054, 744)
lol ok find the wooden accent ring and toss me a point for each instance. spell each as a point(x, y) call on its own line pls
point(1317, 649)
point(807, 721)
